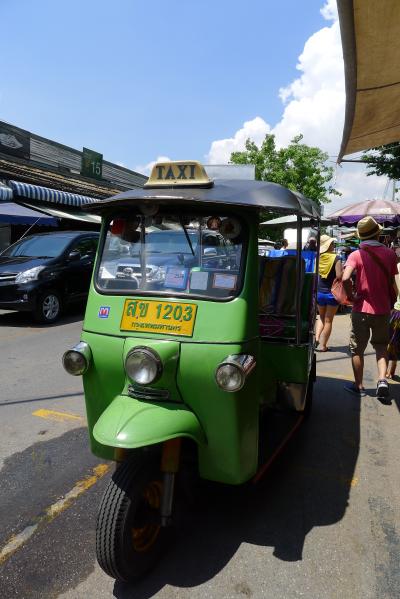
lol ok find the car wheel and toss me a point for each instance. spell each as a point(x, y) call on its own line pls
point(48, 307)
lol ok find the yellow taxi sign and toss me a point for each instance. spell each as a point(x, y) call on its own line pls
point(180, 173)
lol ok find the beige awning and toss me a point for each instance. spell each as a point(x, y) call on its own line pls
point(371, 50)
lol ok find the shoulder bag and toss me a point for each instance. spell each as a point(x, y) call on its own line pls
point(339, 293)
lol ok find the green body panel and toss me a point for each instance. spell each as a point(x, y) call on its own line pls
point(229, 420)
point(103, 381)
point(130, 423)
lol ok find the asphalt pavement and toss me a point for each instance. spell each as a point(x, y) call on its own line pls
point(325, 522)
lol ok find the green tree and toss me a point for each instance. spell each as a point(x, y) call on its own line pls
point(298, 166)
point(384, 160)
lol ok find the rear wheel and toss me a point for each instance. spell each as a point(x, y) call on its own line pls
point(48, 307)
point(129, 536)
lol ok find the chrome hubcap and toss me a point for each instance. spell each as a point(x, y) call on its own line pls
point(51, 307)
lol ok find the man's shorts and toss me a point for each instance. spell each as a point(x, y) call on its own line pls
point(363, 326)
point(326, 299)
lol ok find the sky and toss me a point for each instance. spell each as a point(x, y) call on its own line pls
point(137, 81)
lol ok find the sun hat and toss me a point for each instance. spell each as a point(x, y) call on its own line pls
point(325, 243)
point(367, 227)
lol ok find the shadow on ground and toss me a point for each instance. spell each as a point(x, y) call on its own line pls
point(71, 314)
point(308, 487)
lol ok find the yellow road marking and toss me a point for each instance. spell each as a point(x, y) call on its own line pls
point(52, 511)
point(330, 375)
point(57, 416)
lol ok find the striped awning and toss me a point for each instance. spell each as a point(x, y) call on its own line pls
point(49, 196)
point(6, 193)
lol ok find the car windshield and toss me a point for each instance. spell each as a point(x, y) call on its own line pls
point(44, 246)
point(191, 255)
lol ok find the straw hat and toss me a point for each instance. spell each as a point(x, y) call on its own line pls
point(367, 227)
point(325, 243)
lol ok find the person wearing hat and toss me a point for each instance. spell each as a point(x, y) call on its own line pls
point(375, 267)
point(329, 269)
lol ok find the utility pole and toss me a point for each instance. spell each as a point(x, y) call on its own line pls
point(394, 191)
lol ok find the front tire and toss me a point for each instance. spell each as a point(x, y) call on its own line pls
point(129, 536)
point(48, 307)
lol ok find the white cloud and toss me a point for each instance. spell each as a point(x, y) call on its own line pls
point(313, 104)
point(145, 169)
point(222, 149)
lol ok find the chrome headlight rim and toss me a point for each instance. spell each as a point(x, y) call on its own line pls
point(149, 353)
point(83, 349)
point(243, 363)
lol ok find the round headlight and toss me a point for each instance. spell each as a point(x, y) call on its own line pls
point(230, 377)
point(74, 362)
point(143, 366)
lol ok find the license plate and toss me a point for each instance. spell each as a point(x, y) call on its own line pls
point(165, 318)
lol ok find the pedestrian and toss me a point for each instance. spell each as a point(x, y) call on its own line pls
point(394, 342)
point(375, 266)
point(329, 269)
point(311, 245)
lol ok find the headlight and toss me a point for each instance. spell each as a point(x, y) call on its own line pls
point(232, 373)
point(29, 275)
point(143, 365)
point(76, 360)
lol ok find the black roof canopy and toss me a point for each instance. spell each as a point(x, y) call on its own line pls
point(259, 195)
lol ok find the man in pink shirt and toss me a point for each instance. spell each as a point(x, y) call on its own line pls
point(375, 266)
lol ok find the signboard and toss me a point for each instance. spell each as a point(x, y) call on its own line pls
point(92, 164)
point(14, 141)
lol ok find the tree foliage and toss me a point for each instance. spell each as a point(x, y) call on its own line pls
point(298, 166)
point(384, 160)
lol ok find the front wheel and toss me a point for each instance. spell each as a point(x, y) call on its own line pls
point(129, 536)
point(48, 307)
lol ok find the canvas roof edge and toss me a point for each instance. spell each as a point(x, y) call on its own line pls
point(255, 194)
point(347, 31)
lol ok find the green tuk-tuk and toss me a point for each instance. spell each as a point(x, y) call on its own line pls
point(192, 343)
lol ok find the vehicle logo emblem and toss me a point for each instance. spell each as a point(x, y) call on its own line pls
point(104, 311)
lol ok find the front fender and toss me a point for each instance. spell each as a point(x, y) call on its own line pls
point(130, 423)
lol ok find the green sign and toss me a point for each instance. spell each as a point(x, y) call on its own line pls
point(92, 164)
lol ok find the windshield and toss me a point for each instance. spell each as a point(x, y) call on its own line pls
point(164, 242)
point(46, 246)
point(190, 255)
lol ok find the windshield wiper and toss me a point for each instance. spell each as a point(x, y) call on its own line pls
point(186, 235)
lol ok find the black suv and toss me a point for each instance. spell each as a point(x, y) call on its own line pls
point(43, 273)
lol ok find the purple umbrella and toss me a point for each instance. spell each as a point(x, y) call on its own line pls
point(383, 211)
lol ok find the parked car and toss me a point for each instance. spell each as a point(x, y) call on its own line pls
point(44, 273)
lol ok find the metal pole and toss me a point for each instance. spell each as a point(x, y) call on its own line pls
point(298, 280)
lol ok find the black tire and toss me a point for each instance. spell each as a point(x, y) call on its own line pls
point(48, 307)
point(129, 536)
